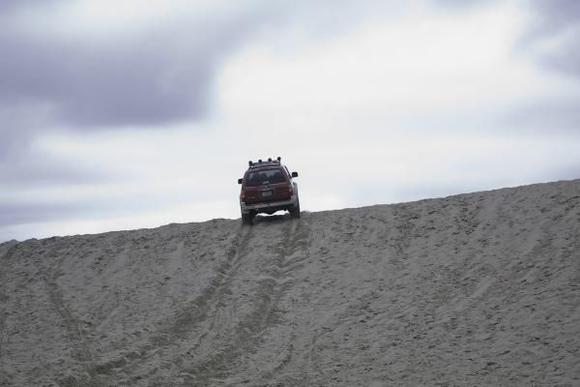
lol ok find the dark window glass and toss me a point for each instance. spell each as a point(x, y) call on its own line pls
point(269, 176)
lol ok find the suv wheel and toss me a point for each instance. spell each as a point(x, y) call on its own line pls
point(295, 211)
point(248, 218)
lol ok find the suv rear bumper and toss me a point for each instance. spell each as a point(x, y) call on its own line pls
point(268, 207)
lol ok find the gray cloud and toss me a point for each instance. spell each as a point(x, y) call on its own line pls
point(567, 60)
point(166, 75)
point(11, 5)
point(556, 17)
point(16, 214)
point(34, 170)
point(143, 81)
point(159, 75)
point(12, 144)
point(163, 74)
point(19, 123)
point(22, 164)
point(462, 4)
point(553, 116)
point(552, 19)
point(99, 207)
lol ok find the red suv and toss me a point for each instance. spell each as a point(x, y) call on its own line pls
point(267, 187)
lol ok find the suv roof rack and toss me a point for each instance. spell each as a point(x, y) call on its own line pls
point(260, 163)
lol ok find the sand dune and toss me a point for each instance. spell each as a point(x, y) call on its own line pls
point(474, 289)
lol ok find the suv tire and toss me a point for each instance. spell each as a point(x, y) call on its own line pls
point(248, 219)
point(295, 211)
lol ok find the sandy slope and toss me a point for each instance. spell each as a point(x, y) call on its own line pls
point(477, 289)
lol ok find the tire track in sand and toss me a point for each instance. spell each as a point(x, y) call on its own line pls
point(74, 333)
point(248, 332)
point(3, 312)
point(291, 257)
point(190, 318)
point(198, 310)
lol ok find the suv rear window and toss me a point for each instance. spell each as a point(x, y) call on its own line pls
point(268, 176)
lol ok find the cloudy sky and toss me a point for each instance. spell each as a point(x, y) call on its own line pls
point(120, 114)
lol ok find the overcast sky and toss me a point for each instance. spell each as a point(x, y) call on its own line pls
point(120, 114)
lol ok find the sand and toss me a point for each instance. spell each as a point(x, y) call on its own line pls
point(474, 289)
